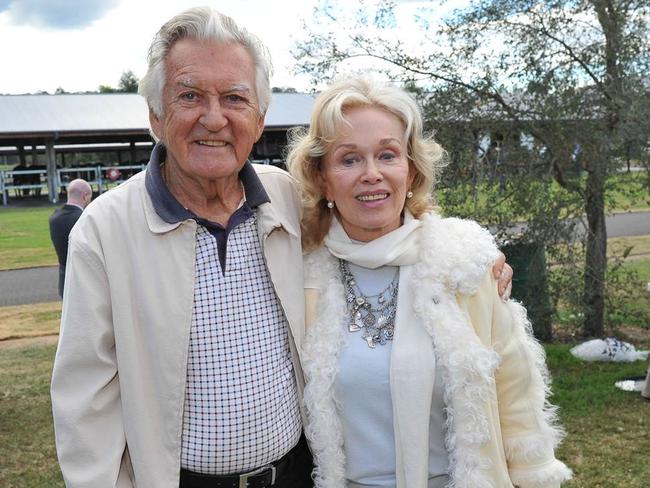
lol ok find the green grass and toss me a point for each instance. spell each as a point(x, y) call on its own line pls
point(607, 446)
point(25, 238)
point(642, 267)
point(608, 430)
point(628, 191)
point(27, 454)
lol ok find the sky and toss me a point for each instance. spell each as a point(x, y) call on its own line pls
point(80, 44)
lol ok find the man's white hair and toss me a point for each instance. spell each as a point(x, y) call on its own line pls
point(203, 23)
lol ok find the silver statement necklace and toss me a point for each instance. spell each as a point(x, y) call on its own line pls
point(377, 323)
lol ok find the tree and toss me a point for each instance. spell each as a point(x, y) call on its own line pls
point(106, 89)
point(284, 89)
point(568, 75)
point(128, 83)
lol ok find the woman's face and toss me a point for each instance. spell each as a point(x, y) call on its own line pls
point(366, 173)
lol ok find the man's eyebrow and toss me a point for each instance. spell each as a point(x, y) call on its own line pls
point(187, 83)
point(240, 87)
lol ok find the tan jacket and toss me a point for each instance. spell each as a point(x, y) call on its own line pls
point(500, 430)
point(119, 375)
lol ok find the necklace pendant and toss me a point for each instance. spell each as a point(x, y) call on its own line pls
point(370, 341)
point(360, 301)
point(381, 299)
point(354, 327)
point(369, 320)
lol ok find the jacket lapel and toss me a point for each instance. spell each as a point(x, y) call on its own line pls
point(281, 244)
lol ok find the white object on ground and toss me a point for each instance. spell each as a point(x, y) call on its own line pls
point(609, 349)
point(630, 385)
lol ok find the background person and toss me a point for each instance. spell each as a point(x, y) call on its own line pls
point(79, 195)
point(418, 375)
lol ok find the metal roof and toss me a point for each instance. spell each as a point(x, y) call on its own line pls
point(114, 113)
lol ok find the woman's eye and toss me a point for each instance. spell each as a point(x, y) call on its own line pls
point(350, 160)
point(387, 156)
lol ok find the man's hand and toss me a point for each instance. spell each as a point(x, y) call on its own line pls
point(502, 272)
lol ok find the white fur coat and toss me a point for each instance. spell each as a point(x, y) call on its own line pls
point(500, 430)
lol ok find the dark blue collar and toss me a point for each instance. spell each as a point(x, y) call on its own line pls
point(171, 211)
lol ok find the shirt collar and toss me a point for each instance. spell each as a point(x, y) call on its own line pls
point(171, 211)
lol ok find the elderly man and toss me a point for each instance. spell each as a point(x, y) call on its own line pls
point(177, 362)
point(79, 195)
point(179, 329)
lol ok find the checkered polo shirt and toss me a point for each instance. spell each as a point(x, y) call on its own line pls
point(241, 403)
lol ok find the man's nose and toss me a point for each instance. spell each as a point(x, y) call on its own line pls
point(213, 117)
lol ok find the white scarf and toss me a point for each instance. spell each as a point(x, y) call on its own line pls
point(397, 248)
point(412, 368)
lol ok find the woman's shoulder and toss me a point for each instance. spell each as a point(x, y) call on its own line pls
point(458, 251)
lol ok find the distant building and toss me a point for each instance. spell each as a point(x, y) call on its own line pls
point(56, 131)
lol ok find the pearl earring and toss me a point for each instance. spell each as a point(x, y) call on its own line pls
point(409, 194)
point(330, 205)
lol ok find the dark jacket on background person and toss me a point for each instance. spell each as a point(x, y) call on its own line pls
point(61, 223)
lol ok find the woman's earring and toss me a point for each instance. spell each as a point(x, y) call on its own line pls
point(330, 205)
point(409, 194)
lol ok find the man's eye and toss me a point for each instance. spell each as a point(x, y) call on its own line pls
point(189, 96)
point(235, 98)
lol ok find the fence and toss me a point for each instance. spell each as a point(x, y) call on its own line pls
point(24, 182)
point(101, 178)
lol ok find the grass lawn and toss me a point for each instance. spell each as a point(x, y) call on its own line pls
point(25, 238)
point(27, 455)
point(607, 446)
point(608, 430)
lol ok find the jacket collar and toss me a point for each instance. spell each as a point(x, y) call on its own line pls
point(167, 208)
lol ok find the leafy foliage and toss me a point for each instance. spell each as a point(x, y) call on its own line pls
point(524, 94)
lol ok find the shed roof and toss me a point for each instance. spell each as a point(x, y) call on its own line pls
point(75, 115)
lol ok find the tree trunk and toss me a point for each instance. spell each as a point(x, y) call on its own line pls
point(596, 256)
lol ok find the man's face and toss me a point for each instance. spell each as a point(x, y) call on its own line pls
point(210, 118)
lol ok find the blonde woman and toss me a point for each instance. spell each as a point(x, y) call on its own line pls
point(418, 374)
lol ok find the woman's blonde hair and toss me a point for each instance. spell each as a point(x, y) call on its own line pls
point(308, 147)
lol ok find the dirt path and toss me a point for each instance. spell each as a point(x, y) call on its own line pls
point(29, 341)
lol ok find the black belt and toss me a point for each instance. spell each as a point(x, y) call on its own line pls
point(263, 477)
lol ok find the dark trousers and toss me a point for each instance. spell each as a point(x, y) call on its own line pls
point(296, 475)
point(300, 468)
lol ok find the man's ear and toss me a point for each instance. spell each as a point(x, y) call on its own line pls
point(260, 127)
point(156, 124)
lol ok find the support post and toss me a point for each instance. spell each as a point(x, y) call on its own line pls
point(52, 180)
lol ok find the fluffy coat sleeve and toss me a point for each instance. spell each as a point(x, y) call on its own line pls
point(529, 423)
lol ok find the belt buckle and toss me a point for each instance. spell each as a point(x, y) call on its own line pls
point(243, 478)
